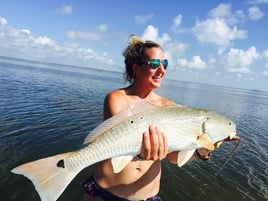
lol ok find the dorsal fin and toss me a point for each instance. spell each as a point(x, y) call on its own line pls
point(136, 108)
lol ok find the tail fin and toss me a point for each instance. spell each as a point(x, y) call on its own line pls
point(48, 175)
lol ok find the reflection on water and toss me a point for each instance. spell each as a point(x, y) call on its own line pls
point(45, 112)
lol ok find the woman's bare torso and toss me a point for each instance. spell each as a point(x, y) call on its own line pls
point(139, 179)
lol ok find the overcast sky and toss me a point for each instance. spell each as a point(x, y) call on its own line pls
point(213, 42)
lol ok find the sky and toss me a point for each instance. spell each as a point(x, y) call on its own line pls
point(206, 41)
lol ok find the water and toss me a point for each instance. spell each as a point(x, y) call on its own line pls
point(44, 111)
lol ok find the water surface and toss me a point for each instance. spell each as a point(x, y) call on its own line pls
point(44, 111)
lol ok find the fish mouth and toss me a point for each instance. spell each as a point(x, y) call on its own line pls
point(228, 139)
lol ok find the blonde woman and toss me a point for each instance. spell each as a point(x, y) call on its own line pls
point(145, 67)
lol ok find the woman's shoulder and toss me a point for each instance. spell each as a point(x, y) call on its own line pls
point(115, 94)
point(166, 102)
point(115, 101)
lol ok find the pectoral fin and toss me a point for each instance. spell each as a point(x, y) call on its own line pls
point(120, 162)
point(184, 156)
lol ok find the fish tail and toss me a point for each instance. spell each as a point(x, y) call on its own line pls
point(49, 175)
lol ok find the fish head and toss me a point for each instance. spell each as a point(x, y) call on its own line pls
point(219, 128)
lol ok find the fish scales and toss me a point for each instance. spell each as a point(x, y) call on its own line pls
point(126, 137)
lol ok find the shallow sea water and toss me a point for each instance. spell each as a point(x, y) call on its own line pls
point(44, 111)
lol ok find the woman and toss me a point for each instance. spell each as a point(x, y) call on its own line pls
point(146, 66)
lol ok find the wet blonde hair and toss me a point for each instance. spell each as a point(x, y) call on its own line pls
point(135, 53)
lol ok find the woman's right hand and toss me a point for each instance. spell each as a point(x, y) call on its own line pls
point(154, 144)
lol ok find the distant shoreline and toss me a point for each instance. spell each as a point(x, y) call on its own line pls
point(90, 70)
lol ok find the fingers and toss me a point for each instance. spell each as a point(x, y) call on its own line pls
point(146, 146)
point(203, 153)
point(155, 142)
point(154, 146)
point(161, 148)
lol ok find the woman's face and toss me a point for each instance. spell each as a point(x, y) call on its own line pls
point(152, 77)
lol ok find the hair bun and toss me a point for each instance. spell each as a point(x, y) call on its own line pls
point(134, 39)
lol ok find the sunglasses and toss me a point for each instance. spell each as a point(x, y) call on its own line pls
point(155, 63)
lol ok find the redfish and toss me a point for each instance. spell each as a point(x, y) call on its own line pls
point(120, 138)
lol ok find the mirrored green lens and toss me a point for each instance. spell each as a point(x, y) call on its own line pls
point(154, 63)
point(165, 63)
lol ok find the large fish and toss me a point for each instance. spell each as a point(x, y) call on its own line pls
point(120, 138)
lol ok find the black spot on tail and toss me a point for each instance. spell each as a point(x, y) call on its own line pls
point(61, 163)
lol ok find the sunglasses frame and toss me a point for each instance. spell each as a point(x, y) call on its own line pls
point(155, 63)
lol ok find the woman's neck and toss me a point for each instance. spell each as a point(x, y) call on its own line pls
point(139, 91)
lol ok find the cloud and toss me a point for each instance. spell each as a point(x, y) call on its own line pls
point(27, 31)
point(221, 10)
point(3, 21)
point(82, 35)
point(255, 13)
point(258, 1)
point(42, 40)
point(265, 73)
point(176, 47)
point(196, 63)
point(102, 27)
point(237, 60)
point(176, 24)
point(151, 33)
point(87, 35)
point(216, 31)
point(143, 19)
point(65, 10)
point(221, 28)
point(224, 11)
point(265, 56)
point(173, 49)
point(22, 43)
